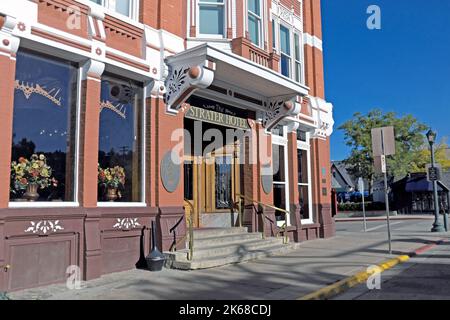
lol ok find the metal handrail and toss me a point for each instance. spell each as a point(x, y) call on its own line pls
point(286, 213)
point(191, 231)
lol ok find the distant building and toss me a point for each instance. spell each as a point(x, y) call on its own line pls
point(414, 194)
point(344, 184)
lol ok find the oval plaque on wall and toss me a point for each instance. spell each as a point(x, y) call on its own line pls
point(170, 171)
point(267, 179)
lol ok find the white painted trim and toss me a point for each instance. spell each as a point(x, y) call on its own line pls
point(283, 141)
point(207, 51)
point(121, 204)
point(307, 147)
point(37, 204)
point(312, 41)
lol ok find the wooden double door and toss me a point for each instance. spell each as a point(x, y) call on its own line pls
point(211, 182)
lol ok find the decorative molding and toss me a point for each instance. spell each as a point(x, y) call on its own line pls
point(277, 109)
point(9, 43)
point(119, 109)
point(156, 89)
point(323, 113)
point(44, 227)
point(126, 223)
point(93, 69)
point(183, 80)
point(30, 89)
point(312, 41)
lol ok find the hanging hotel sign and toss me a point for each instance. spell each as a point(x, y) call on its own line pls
point(214, 117)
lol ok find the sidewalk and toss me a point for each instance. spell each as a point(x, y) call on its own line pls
point(314, 265)
point(382, 218)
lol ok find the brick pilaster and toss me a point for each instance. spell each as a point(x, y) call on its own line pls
point(89, 141)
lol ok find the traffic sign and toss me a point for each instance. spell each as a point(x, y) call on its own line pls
point(383, 141)
point(433, 173)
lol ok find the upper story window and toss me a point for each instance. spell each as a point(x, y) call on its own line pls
point(128, 8)
point(287, 42)
point(254, 21)
point(211, 18)
point(43, 165)
point(285, 51)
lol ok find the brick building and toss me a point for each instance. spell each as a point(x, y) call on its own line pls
point(108, 112)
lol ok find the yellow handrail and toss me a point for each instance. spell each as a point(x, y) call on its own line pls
point(286, 213)
point(191, 231)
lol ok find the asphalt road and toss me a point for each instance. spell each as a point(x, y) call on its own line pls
point(424, 277)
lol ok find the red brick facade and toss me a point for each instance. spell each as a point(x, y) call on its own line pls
point(108, 43)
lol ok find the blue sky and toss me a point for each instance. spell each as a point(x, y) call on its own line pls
point(404, 67)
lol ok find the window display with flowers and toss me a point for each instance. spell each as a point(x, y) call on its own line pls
point(112, 181)
point(28, 176)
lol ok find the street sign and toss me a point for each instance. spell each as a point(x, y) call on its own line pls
point(383, 144)
point(383, 141)
point(380, 164)
point(361, 189)
point(433, 173)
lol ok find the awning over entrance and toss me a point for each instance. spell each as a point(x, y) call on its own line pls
point(234, 77)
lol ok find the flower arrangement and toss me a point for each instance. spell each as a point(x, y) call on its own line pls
point(33, 171)
point(111, 177)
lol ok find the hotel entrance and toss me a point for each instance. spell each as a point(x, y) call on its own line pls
point(212, 166)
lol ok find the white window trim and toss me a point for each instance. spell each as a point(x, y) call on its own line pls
point(107, 4)
point(260, 22)
point(74, 202)
point(292, 32)
point(283, 141)
point(142, 202)
point(302, 145)
point(225, 20)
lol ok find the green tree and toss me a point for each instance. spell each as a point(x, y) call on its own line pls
point(442, 156)
point(409, 139)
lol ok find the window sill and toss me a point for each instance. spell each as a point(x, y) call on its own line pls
point(121, 204)
point(37, 204)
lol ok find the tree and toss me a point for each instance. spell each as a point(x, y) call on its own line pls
point(409, 140)
point(442, 156)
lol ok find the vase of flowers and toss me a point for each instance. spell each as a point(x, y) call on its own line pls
point(31, 175)
point(112, 180)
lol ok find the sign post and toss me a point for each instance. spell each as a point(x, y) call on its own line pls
point(361, 189)
point(383, 144)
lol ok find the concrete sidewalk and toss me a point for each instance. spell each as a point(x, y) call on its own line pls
point(314, 265)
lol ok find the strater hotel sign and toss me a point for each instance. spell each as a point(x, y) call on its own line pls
point(215, 117)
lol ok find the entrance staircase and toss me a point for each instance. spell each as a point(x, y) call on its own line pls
point(213, 247)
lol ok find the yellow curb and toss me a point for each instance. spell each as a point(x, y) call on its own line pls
point(347, 283)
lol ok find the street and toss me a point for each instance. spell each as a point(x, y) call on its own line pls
point(314, 265)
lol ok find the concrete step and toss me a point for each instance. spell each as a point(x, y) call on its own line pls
point(222, 260)
point(229, 249)
point(226, 239)
point(217, 232)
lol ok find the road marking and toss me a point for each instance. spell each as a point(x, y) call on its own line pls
point(382, 226)
point(349, 282)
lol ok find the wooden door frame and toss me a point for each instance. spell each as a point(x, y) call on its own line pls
point(209, 184)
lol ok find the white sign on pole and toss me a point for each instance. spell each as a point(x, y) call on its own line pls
point(380, 164)
point(361, 185)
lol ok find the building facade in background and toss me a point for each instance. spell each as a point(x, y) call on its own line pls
point(117, 113)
